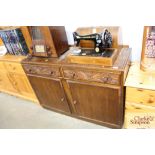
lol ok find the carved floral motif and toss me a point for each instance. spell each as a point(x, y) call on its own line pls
point(108, 78)
point(46, 71)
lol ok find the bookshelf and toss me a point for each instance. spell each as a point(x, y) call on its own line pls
point(13, 79)
point(25, 32)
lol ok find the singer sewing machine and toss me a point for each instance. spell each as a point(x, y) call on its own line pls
point(97, 45)
point(101, 40)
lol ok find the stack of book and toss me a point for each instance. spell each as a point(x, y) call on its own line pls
point(14, 41)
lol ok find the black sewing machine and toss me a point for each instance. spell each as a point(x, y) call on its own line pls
point(101, 40)
point(95, 45)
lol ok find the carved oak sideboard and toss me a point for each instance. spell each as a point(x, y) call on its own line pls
point(91, 92)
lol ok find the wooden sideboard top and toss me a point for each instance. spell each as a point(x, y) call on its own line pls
point(12, 58)
point(140, 79)
point(119, 64)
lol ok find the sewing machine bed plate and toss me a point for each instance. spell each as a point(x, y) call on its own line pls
point(89, 56)
point(90, 52)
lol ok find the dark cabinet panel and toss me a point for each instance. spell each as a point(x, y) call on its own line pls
point(96, 102)
point(89, 92)
point(50, 93)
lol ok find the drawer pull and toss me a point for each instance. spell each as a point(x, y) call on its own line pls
point(74, 102)
point(105, 79)
point(52, 72)
point(62, 99)
point(140, 89)
point(14, 68)
point(74, 75)
point(151, 100)
point(138, 108)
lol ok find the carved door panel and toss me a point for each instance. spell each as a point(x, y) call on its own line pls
point(50, 93)
point(96, 102)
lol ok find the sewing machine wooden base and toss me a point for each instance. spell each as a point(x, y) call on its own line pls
point(107, 60)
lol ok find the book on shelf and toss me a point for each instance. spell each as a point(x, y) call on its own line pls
point(14, 41)
point(3, 49)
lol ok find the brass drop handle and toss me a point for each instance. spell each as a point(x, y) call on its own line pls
point(151, 100)
point(74, 102)
point(62, 99)
point(14, 68)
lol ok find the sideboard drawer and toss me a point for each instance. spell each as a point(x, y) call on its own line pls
point(140, 96)
point(96, 76)
point(49, 71)
point(14, 67)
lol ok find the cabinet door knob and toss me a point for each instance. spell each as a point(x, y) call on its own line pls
point(74, 102)
point(62, 99)
point(15, 83)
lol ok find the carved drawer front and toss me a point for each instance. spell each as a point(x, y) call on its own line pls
point(104, 77)
point(42, 70)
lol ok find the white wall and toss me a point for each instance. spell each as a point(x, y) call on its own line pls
point(131, 15)
point(132, 36)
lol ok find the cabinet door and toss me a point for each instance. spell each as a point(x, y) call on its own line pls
point(96, 102)
point(22, 85)
point(50, 93)
point(5, 83)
